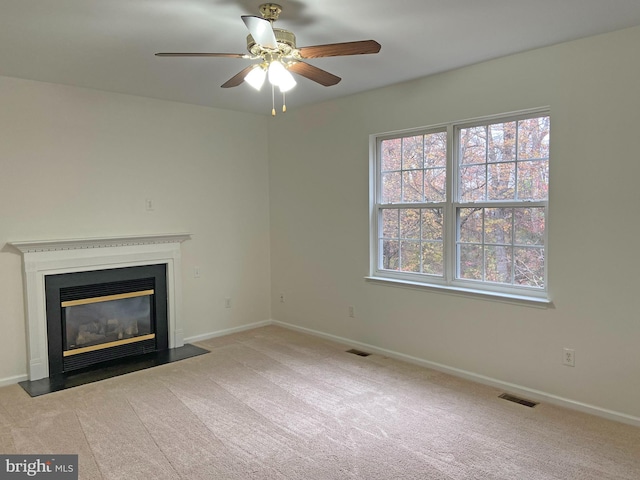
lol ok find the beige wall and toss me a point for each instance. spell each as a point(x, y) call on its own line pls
point(319, 224)
point(80, 163)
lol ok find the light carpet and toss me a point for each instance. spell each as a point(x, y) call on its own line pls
point(271, 403)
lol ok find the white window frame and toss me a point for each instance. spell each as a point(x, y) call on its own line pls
point(448, 282)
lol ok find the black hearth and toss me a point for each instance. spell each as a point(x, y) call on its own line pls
point(104, 315)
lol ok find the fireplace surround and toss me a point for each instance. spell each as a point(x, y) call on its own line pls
point(44, 261)
point(104, 315)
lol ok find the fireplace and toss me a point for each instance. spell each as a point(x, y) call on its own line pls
point(103, 315)
point(74, 326)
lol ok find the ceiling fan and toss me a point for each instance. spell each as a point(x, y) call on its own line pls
point(279, 55)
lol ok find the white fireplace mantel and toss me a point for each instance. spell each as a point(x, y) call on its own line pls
point(51, 257)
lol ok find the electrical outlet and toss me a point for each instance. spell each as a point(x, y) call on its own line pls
point(282, 298)
point(227, 302)
point(569, 357)
point(148, 204)
point(197, 272)
point(351, 311)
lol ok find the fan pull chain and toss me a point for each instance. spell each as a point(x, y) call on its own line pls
point(273, 101)
point(284, 105)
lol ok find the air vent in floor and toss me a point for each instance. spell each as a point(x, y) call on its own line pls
point(521, 401)
point(358, 352)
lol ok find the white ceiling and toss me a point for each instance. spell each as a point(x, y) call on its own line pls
point(110, 44)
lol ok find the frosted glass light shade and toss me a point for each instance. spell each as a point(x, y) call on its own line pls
point(256, 77)
point(276, 72)
point(280, 76)
point(287, 82)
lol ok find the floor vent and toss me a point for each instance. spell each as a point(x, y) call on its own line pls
point(521, 401)
point(358, 352)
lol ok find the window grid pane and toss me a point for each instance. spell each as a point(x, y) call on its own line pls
point(502, 142)
point(412, 240)
point(529, 266)
point(413, 152)
point(504, 161)
point(501, 245)
point(413, 169)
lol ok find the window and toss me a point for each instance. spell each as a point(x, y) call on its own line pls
point(464, 205)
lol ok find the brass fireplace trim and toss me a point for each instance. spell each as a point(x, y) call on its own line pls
point(100, 346)
point(106, 298)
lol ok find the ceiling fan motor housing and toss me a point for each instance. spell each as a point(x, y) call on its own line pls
point(286, 42)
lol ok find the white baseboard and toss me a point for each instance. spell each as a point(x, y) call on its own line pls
point(228, 331)
point(4, 382)
point(509, 387)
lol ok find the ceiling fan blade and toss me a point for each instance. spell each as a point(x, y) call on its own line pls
point(261, 31)
point(339, 49)
point(187, 54)
point(314, 73)
point(238, 78)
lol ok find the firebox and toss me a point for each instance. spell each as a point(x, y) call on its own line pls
point(103, 315)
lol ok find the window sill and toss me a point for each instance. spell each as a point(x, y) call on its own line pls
point(524, 300)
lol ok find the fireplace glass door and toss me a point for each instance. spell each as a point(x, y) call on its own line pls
point(102, 322)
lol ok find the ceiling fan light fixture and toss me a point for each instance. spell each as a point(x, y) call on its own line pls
point(279, 55)
point(280, 76)
point(256, 77)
